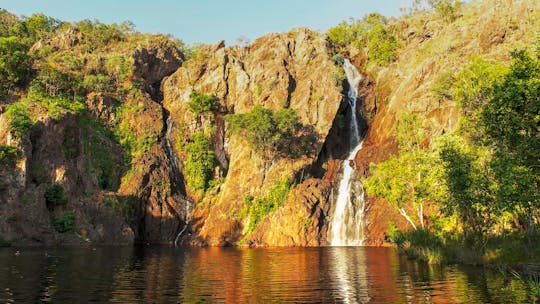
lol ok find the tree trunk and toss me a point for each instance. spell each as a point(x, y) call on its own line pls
point(404, 214)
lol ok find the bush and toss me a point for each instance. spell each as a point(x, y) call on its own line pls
point(98, 83)
point(372, 32)
point(64, 223)
point(200, 162)
point(18, 115)
point(273, 132)
point(54, 196)
point(8, 155)
point(200, 103)
point(14, 63)
point(447, 9)
point(258, 208)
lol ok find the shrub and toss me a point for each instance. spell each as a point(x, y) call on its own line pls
point(18, 115)
point(200, 103)
point(64, 223)
point(258, 208)
point(97, 83)
point(447, 9)
point(382, 45)
point(372, 33)
point(8, 155)
point(54, 196)
point(274, 132)
point(200, 162)
point(14, 63)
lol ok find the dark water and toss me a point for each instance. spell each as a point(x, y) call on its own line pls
point(227, 275)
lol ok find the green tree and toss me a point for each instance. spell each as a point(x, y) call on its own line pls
point(371, 33)
point(18, 116)
point(200, 103)
point(7, 20)
point(54, 196)
point(64, 223)
point(412, 179)
point(200, 162)
point(470, 187)
point(15, 64)
point(8, 155)
point(272, 132)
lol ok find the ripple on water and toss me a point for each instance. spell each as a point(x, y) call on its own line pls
point(228, 275)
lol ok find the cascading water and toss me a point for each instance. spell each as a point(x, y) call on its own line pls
point(346, 226)
point(173, 162)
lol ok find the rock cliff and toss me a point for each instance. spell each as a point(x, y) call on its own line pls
point(291, 70)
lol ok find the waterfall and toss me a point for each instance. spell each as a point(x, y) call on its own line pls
point(173, 162)
point(346, 226)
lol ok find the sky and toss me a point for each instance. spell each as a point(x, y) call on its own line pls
point(208, 21)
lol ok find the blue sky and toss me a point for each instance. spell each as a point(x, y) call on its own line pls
point(208, 21)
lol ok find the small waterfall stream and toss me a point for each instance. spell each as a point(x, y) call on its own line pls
point(346, 226)
point(173, 161)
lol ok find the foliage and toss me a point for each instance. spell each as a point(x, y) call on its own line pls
point(200, 162)
point(15, 64)
point(97, 34)
point(35, 27)
point(7, 20)
point(372, 33)
point(57, 106)
point(412, 179)
point(200, 103)
point(470, 190)
point(64, 223)
point(97, 83)
point(8, 155)
point(54, 196)
point(490, 165)
point(273, 132)
point(446, 9)
point(18, 116)
point(258, 208)
point(56, 83)
point(338, 76)
point(132, 143)
point(99, 161)
point(382, 45)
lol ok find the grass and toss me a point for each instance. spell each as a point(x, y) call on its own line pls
point(508, 249)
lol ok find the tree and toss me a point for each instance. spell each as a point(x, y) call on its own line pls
point(412, 179)
point(470, 187)
point(18, 116)
point(200, 162)
point(273, 132)
point(371, 33)
point(15, 64)
point(200, 103)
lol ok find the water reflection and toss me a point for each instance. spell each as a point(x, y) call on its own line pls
point(227, 275)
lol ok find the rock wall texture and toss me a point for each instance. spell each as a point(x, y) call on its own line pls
point(276, 71)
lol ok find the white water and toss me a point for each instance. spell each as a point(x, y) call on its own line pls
point(346, 227)
point(173, 161)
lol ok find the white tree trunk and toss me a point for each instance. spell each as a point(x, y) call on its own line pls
point(408, 218)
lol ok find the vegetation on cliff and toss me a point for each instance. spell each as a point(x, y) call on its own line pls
point(488, 168)
point(84, 82)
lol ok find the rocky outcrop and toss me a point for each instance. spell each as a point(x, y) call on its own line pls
point(432, 48)
point(276, 71)
point(62, 153)
point(111, 202)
